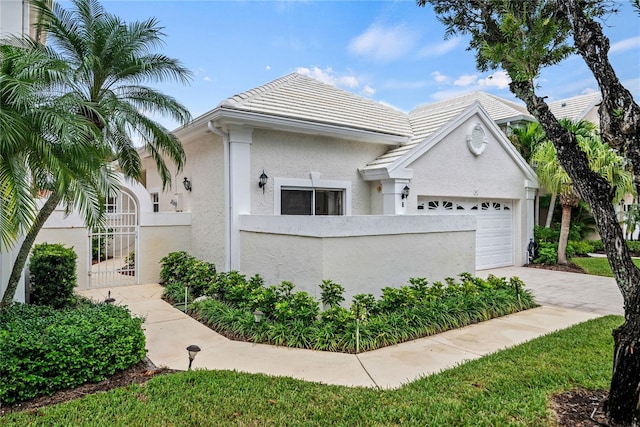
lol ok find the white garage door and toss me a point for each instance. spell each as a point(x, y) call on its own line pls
point(494, 235)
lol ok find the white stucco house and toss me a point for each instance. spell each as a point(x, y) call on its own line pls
point(299, 180)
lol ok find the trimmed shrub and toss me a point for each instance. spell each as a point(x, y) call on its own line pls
point(45, 350)
point(416, 310)
point(53, 275)
point(175, 267)
point(547, 254)
point(580, 248)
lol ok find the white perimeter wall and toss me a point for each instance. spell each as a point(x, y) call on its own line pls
point(363, 253)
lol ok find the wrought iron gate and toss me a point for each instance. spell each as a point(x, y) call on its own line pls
point(114, 246)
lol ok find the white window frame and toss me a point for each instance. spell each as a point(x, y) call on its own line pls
point(314, 182)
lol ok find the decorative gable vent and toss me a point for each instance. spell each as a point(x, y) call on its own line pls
point(477, 140)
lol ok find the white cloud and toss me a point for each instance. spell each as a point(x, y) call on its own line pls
point(439, 49)
point(466, 80)
point(447, 94)
point(439, 77)
point(329, 76)
point(268, 67)
point(624, 45)
point(348, 81)
point(383, 44)
point(589, 90)
point(368, 91)
point(499, 80)
point(207, 79)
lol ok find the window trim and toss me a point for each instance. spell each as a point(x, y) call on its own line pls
point(314, 182)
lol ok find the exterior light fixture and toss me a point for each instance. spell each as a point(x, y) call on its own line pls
point(193, 351)
point(109, 300)
point(263, 180)
point(187, 184)
point(405, 192)
point(257, 316)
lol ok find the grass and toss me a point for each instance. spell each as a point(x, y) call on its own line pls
point(597, 266)
point(508, 388)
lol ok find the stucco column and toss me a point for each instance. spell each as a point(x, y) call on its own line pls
point(530, 210)
point(392, 201)
point(240, 139)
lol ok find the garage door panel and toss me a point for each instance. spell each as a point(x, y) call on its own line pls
point(494, 234)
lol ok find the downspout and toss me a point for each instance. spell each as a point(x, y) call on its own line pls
point(227, 195)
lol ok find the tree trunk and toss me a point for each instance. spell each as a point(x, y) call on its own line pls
point(622, 405)
point(552, 205)
point(564, 234)
point(21, 260)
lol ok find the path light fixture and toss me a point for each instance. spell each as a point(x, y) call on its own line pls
point(263, 181)
point(109, 300)
point(258, 316)
point(193, 351)
point(186, 183)
point(405, 192)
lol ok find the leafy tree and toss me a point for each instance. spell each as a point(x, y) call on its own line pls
point(522, 38)
point(601, 160)
point(107, 62)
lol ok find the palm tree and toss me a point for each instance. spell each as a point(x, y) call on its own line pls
point(526, 139)
point(45, 148)
point(107, 62)
point(601, 159)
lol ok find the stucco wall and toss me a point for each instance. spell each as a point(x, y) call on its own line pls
point(204, 167)
point(451, 169)
point(72, 237)
point(155, 242)
point(364, 254)
point(290, 155)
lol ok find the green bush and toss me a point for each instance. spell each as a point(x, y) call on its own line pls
point(199, 277)
point(53, 275)
point(547, 253)
point(175, 267)
point(598, 246)
point(412, 311)
point(331, 293)
point(44, 350)
point(580, 248)
point(634, 246)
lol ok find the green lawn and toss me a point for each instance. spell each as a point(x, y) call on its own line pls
point(508, 388)
point(597, 266)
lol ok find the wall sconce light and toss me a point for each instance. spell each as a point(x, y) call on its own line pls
point(263, 180)
point(405, 192)
point(187, 184)
point(193, 351)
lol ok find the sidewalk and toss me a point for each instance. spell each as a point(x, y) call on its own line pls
point(170, 331)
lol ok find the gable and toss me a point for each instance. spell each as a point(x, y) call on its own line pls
point(397, 163)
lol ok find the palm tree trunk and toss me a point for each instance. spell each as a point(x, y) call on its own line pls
point(552, 205)
point(21, 260)
point(564, 234)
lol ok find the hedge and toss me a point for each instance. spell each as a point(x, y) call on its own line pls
point(45, 350)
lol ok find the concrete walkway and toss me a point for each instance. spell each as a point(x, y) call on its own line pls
point(568, 299)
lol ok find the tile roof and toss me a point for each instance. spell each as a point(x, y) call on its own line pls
point(300, 97)
point(575, 108)
point(428, 118)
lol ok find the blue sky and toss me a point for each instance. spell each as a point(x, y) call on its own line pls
point(389, 51)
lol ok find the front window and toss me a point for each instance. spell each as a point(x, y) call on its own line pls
point(313, 201)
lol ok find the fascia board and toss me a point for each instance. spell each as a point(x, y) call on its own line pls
point(224, 117)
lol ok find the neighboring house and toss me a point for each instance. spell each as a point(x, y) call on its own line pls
point(581, 107)
point(356, 192)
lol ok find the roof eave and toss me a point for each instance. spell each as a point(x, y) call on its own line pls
point(224, 117)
